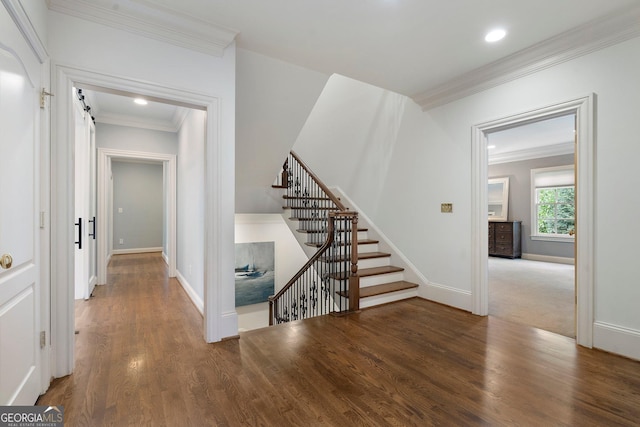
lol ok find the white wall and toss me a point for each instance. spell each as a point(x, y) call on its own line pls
point(289, 258)
point(191, 199)
point(138, 192)
point(274, 99)
point(429, 162)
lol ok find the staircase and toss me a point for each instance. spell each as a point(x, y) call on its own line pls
point(380, 281)
point(364, 271)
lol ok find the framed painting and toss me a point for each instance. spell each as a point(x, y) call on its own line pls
point(255, 272)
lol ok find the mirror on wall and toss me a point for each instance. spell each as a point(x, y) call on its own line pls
point(498, 198)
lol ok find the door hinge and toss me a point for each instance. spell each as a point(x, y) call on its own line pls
point(44, 94)
point(43, 339)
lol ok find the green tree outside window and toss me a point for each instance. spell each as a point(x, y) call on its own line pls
point(556, 210)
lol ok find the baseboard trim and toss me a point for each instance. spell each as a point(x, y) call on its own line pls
point(446, 295)
point(193, 296)
point(135, 251)
point(547, 258)
point(165, 258)
point(617, 339)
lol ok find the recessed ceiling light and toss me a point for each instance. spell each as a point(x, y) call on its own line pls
point(495, 35)
point(491, 146)
point(140, 101)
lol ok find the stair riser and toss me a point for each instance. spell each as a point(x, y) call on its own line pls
point(368, 248)
point(374, 262)
point(380, 279)
point(387, 298)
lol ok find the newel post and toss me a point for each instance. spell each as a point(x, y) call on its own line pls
point(270, 311)
point(284, 177)
point(354, 279)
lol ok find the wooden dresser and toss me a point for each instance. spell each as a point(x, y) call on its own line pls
point(504, 239)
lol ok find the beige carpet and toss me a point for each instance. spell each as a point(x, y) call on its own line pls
point(539, 294)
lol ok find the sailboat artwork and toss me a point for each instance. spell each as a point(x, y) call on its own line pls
point(255, 272)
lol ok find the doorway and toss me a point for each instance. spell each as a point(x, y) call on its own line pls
point(219, 321)
point(534, 286)
point(105, 204)
point(583, 108)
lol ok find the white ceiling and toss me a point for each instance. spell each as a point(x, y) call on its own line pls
point(418, 48)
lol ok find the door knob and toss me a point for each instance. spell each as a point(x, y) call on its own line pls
point(5, 261)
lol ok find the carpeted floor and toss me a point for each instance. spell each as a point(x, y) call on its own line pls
point(539, 294)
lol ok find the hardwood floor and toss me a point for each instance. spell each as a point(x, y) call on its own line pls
point(141, 360)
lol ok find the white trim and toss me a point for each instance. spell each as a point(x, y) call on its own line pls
point(137, 251)
point(218, 213)
point(149, 20)
point(617, 339)
point(124, 120)
point(564, 238)
point(548, 258)
point(193, 295)
point(20, 17)
point(105, 156)
point(585, 197)
point(532, 153)
point(582, 40)
point(274, 218)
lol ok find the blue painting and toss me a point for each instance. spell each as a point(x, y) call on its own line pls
point(255, 272)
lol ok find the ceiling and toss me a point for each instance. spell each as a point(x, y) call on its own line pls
point(425, 49)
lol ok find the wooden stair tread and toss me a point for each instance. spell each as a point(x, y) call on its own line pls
point(311, 208)
point(374, 271)
point(305, 198)
point(360, 242)
point(385, 288)
point(279, 186)
point(361, 256)
point(301, 230)
point(366, 272)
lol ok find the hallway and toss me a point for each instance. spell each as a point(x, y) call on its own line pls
point(141, 360)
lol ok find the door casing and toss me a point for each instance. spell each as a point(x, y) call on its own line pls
point(219, 190)
point(584, 109)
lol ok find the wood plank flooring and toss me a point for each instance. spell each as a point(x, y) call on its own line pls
point(141, 360)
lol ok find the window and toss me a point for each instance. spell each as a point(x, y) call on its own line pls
point(553, 203)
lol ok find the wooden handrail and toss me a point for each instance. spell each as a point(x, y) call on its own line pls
point(321, 184)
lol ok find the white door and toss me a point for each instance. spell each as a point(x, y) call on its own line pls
point(19, 206)
point(81, 155)
point(93, 206)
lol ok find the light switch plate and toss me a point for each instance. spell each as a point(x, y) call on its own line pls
point(446, 207)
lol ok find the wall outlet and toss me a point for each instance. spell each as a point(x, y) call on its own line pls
point(120, 210)
point(122, 241)
point(446, 207)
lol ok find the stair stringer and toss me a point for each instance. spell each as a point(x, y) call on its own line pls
point(426, 289)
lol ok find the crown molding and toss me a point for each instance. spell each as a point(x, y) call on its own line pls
point(178, 117)
point(155, 23)
point(533, 153)
point(124, 120)
point(582, 40)
point(27, 29)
